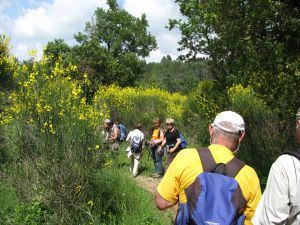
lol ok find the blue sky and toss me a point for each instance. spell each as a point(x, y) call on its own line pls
point(32, 23)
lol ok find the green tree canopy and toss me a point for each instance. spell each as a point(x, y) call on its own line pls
point(119, 32)
point(240, 36)
point(111, 45)
point(57, 48)
point(6, 64)
point(245, 41)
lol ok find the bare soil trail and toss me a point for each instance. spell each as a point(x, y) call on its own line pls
point(150, 184)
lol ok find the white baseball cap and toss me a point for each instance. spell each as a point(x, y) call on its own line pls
point(230, 122)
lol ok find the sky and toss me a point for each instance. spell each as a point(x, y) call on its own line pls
point(32, 23)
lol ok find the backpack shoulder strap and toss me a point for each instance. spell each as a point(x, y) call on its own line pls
point(207, 160)
point(295, 153)
point(234, 166)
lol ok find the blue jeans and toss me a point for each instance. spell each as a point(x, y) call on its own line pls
point(157, 159)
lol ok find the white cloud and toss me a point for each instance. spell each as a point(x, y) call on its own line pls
point(158, 12)
point(63, 18)
point(32, 28)
point(60, 19)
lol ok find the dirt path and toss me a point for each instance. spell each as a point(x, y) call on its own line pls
point(150, 184)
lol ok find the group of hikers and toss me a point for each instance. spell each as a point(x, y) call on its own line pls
point(162, 142)
point(213, 187)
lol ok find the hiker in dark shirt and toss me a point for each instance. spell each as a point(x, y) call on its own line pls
point(171, 141)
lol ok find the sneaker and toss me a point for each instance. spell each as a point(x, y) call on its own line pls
point(134, 175)
point(155, 175)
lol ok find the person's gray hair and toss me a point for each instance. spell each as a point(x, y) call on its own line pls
point(229, 136)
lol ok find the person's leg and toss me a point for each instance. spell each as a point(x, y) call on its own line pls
point(129, 155)
point(170, 157)
point(153, 156)
point(135, 166)
point(158, 163)
point(132, 164)
point(115, 149)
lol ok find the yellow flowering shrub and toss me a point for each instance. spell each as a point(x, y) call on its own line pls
point(207, 99)
point(54, 127)
point(130, 104)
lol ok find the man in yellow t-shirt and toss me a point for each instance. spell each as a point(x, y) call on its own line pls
point(226, 132)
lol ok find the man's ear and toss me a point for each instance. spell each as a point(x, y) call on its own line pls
point(210, 129)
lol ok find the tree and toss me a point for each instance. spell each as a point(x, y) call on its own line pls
point(6, 64)
point(119, 32)
point(174, 76)
point(239, 36)
point(57, 48)
point(245, 41)
point(110, 48)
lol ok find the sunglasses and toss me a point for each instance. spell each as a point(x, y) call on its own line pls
point(169, 124)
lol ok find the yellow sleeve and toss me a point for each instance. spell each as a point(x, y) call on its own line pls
point(252, 193)
point(168, 188)
point(180, 174)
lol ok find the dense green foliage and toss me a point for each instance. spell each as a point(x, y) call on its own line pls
point(174, 76)
point(6, 70)
point(109, 49)
point(246, 41)
point(53, 166)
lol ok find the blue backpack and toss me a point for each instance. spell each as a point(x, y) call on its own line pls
point(183, 143)
point(215, 197)
point(136, 145)
point(123, 133)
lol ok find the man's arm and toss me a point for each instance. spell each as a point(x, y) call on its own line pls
point(161, 203)
point(178, 141)
point(163, 143)
point(273, 207)
point(115, 133)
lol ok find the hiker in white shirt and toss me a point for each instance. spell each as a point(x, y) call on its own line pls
point(280, 203)
point(134, 151)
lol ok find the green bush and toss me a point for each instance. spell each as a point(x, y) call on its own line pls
point(8, 202)
point(264, 140)
point(53, 133)
point(203, 103)
point(34, 213)
point(131, 105)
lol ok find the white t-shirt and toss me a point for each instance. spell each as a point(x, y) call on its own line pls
point(135, 134)
point(280, 203)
